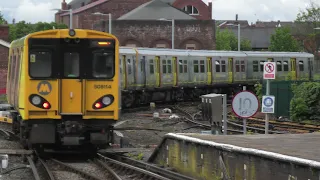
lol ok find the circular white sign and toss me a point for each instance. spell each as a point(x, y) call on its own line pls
point(245, 104)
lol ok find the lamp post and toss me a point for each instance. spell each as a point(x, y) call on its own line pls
point(110, 21)
point(172, 30)
point(71, 15)
point(238, 33)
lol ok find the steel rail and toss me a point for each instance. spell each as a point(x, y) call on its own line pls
point(142, 171)
point(153, 168)
point(108, 168)
point(48, 171)
point(33, 168)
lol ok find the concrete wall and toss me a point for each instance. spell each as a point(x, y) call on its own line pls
point(205, 162)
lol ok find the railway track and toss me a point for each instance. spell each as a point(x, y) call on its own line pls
point(8, 135)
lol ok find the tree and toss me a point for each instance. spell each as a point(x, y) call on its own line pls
point(2, 20)
point(226, 40)
point(282, 40)
point(23, 28)
point(305, 103)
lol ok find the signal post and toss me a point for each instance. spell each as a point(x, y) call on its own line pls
point(269, 72)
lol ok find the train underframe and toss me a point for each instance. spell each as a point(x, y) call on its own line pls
point(69, 133)
point(134, 98)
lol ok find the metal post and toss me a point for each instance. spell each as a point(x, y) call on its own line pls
point(110, 21)
point(244, 120)
point(71, 18)
point(239, 37)
point(225, 125)
point(267, 114)
point(172, 35)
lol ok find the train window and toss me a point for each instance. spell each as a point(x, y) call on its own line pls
point(285, 66)
point(103, 64)
point(169, 66)
point(202, 67)
point(217, 65)
point(71, 65)
point(185, 66)
point(261, 66)
point(40, 64)
point(301, 66)
point(129, 66)
point(223, 66)
point(180, 66)
point(237, 66)
point(243, 66)
point(151, 66)
point(164, 66)
point(279, 66)
point(255, 66)
point(195, 66)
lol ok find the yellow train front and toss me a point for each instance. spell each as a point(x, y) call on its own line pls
point(64, 88)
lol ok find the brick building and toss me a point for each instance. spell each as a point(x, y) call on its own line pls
point(4, 53)
point(137, 22)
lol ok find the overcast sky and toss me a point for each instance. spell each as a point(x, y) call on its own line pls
point(251, 10)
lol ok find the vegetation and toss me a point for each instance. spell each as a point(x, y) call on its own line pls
point(226, 40)
point(282, 40)
point(2, 20)
point(305, 103)
point(23, 28)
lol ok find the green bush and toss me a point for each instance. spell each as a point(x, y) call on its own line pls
point(305, 103)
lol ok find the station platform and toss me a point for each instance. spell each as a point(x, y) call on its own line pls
point(250, 157)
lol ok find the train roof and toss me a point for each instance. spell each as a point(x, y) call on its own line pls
point(209, 53)
point(278, 54)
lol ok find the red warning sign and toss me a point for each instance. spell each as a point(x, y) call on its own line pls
point(269, 70)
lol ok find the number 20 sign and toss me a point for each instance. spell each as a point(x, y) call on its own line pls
point(245, 104)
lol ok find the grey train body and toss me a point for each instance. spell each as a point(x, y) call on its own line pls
point(151, 74)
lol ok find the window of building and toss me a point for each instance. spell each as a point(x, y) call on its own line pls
point(190, 46)
point(255, 66)
point(131, 45)
point(301, 66)
point(160, 46)
point(279, 66)
point(191, 10)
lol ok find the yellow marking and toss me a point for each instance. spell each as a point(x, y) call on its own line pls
point(44, 88)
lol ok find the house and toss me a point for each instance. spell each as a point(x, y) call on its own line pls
point(4, 54)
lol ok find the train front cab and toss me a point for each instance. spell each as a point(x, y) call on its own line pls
point(68, 90)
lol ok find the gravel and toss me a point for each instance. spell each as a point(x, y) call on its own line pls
point(61, 174)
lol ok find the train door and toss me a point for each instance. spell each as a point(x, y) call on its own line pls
point(230, 70)
point(71, 89)
point(293, 66)
point(123, 72)
point(143, 71)
point(157, 71)
point(209, 70)
point(240, 70)
point(310, 68)
point(175, 69)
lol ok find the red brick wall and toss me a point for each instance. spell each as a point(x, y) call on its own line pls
point(204, 10)
point(150, 33)
point(4, 32)
point(4, 53)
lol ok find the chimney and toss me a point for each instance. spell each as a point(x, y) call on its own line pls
point(13, 21)
point(93, 1)
point(64, 5)
point(210, 9)
point(82, 4)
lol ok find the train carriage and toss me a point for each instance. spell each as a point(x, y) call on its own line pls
point(64, 88)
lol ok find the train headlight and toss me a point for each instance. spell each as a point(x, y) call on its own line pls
point(36, 100)
point(106, 100)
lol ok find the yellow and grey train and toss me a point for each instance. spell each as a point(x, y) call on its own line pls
point(150, 74)
point(63, 86)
